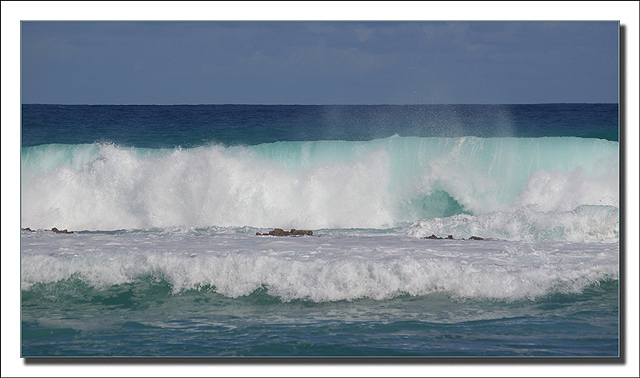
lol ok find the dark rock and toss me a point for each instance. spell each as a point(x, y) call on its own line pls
point(61, 231)
point(281, 232)
point(450, 237)
point(301, 232)
point(27, 229)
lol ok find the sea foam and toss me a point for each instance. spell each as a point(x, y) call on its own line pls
point(319, 268)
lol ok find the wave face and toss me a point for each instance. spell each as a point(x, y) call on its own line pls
point(382, 183)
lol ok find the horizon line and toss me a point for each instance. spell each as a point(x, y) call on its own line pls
point(282, 104)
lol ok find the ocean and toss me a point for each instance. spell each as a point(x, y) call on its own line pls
point(437, 231)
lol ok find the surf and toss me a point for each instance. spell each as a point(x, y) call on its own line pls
point(377, 184)
point(317, 269)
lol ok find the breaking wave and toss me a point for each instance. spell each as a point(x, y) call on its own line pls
point(513, 187)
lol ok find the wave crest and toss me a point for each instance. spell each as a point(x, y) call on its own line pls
point(323, 184)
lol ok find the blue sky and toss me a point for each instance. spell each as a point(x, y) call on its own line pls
point(333, 62)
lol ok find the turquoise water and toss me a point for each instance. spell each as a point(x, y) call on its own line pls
point(145, 319)
point(165, 202)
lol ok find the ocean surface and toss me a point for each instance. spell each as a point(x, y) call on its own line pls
point(162, 206)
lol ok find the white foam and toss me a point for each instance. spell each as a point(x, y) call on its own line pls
point(583, 224)
point(319, 268)
point(324, 184)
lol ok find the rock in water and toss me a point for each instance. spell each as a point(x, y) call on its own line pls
point(450, 237)
point(61, 231)
point(301, 232)
point(281, 232)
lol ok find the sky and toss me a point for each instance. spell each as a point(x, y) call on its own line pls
point(319, 62)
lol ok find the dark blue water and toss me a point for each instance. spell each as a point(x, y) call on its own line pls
point(189, 126)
